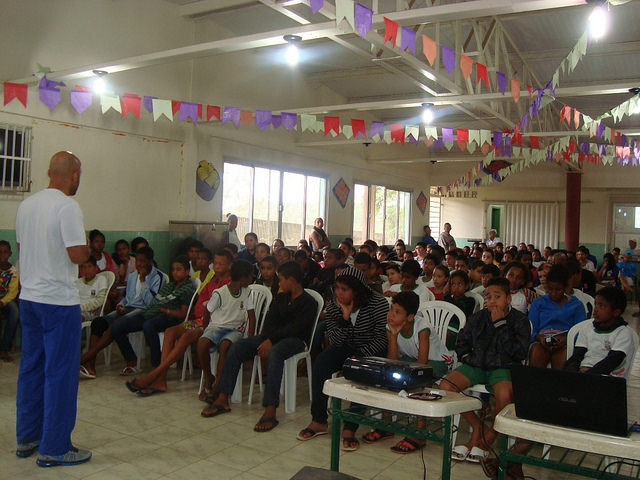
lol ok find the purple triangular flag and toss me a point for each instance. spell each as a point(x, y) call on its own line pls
point(316, 5)
point(377, 128)
point(502, 81)
point(364, 19)
point(623, 140)
point(80, 100)
point(603, 149)
point(147, 101)
point(231, 114)
point(524, 121)
point(49, 93)
point(497, 139)
point(188, 110)
point(447, 135)
point(549, 156)
point(408, 40)
point(276, 120)
point(600, 130)
point(289, 120)
point(506, 150)
point(477, 181)
point(438, 143)
point(263, 118)
point(411, 139)
point(448, 58)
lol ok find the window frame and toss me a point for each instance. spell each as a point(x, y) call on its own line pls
point(23, 184)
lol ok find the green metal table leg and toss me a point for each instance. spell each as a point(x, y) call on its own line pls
point(447, 440)
point(502, 452)
point(336, 405)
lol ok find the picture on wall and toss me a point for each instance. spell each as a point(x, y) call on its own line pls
point(207, 180)
point(421, 202)
point(341, 191)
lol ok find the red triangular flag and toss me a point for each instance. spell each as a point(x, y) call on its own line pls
point(565, 114)
point(15, 90)
point(200, 111)
point(397, 132)
point(81, 88)
point(463, 138)
point(466, 64)
point(213, 111)
point(175, 106)
point(390, 31)
point(246, 117)
point(331, 123)
point(517, 138)
point(358, 127)
point(481, 74)
point(530, 88)
point(534, 142)
point(429, 49)
point(515, 89)
point(130, 102)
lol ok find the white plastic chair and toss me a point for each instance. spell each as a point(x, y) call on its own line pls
point(261, 297)
point(479, 299)
point(261, 301)
point(439, 314)
point(111, 278)
point(291, 364)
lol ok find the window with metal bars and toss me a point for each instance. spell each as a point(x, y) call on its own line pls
point(15, 158)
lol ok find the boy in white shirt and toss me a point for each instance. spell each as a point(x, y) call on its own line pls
point(230, 307)
point(92, 289)
point(411, 271)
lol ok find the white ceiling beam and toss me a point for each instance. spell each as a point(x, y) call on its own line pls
point(448, 12)
point(204, 7)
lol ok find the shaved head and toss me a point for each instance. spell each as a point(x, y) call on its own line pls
point(64, 172)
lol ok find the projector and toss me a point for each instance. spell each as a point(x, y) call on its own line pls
point(384, 373)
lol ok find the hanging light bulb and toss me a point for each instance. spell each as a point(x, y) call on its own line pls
point(292, 54)
point(598, 22)
point(427, 113)
point(99, 85)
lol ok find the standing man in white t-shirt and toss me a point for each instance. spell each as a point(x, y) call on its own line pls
point(52, 242)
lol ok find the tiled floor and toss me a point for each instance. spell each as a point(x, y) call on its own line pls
point(164, 437)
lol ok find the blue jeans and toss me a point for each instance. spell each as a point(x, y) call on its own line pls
point(150, 327)
point(46, 402)
point(11, 314)
point(246, 349)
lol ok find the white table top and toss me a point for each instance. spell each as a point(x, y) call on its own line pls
point(451, 404)
point(624, 447)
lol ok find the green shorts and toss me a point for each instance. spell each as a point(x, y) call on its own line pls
point(488, 378)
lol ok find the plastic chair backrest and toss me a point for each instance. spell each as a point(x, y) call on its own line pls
point(320, 301)
point(196, 284)
point(165, 279)
point(262, 298)
point(479, 299)
point(111, 278)
point(439, 314)
point(588, 302)
point(572, 334)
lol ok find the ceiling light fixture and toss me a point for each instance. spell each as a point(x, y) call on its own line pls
point(598, 22)
point(99, 85)
point(292, 54)
point(427, 113)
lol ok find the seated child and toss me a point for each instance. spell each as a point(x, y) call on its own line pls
point(309, 267)
point(349, 252)
point(608, 274)
point(458, 285)
point(575, 277)
point(430, 262)
point(475, 274)
point(410, 273)
point(552, 315)
point(202, 272)
point(96, 245)
point(193, 247)
point(519, 277)
point(462, 263)
point(142, 286)
point(334, 257)
point(421, 252)
point(410, 339)
point(363, 262)
point(262, 250)
point(394, 277)
point(125, 264)
point(543, 269)
point(232, 305)
point(527, 260)
point(450, 259)
point(287, 328)
point(493, 340)
point(440, 279)
point(628, 271)
point(268, 276)
point(178, 338)
point(8, 306)
point(92, 289)
point(607, 347)
point(168, 308)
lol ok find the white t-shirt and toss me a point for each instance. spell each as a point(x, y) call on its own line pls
point(427, 284)
point(423, 292)
point(89, 291)
point(408, 346)
point(492, 243)
point(229, 310)
point(589, 266)
point(519, 302)
point(47, 223)
point(598, 345)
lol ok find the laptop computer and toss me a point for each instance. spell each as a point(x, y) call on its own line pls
point(597, 403)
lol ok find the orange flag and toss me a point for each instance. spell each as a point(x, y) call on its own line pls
point(429, 49)
point(515, 89)
point(246, 117)
point(465, 65)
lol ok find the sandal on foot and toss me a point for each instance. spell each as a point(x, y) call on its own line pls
point(459, 453)
point(376, 436)
point(307, 434)
point(407, 445)
point(476, 455)
point(148, 391)
point(350, 444)
point(132, 386)
point(85, 373)
point(266, 424)
point(128, 371)
point(214, 410)
point(490, 467)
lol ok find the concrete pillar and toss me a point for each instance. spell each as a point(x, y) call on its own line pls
point(572, 212)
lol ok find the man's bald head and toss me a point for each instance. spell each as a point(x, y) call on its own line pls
point(64, 172)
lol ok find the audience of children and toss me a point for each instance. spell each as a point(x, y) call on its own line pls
point(9, 282)
point(410, 271)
